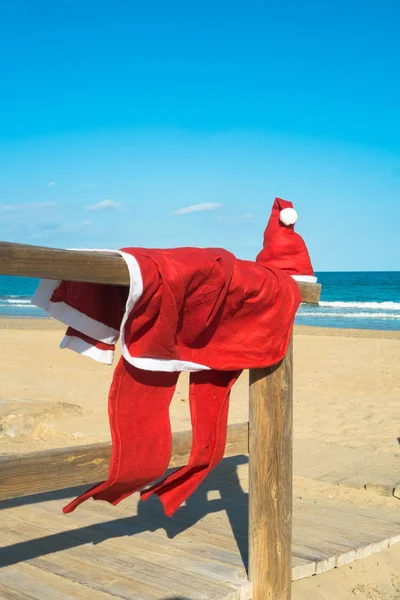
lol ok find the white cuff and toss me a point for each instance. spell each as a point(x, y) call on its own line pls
point(82, 347)
point(71, 316)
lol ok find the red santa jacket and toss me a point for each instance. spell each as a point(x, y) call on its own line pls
point(187, 309)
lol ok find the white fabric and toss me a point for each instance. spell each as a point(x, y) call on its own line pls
point(164, 365)
point(305, 278)
point(288, 216)
point(82, 347)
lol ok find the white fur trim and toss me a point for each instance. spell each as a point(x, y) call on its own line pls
point(147, 364)
point(71, 316)
point(44, 292)
point(164, 365)
point(135, 291)
point(288, 216)
point(82, 347)
point(305, 278)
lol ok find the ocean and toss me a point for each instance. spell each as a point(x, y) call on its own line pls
point(349, 300)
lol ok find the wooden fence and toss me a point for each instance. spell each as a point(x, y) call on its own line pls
point(267, 437)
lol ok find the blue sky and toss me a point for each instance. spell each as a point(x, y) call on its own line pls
point(116, 117)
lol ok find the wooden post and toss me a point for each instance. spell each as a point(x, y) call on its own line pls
point(270, 464)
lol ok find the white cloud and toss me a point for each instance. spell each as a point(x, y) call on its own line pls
point(87, 223)
point(27, 206)
point(51, 184)
point(104, 204)
point(206, 206)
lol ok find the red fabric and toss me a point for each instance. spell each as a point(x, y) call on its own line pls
point(209, 404)
point(198, 305)
point(141, 435)
point(283, 247)
point(84, 297)
point(138, 410)
point(212, 309)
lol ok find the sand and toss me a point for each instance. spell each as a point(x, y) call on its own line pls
point(347, 394)
point(374, 578)
point(347, 389)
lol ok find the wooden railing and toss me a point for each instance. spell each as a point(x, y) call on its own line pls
point(267, 437)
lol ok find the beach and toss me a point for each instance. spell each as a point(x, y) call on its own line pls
point(346, 409)
point(346, 389)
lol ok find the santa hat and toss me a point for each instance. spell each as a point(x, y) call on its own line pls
point(283, 247)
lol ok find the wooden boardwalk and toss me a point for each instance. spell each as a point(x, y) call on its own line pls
point(363, 468)
point(134, 552)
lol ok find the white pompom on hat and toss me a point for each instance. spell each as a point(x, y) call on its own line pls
point(288, 216)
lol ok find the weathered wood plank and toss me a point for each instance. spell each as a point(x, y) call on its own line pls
point(302, 568)
point(270, 480)
point(131, 572)
point(373, 516)
point(37, 472)
point(210, 538)
point(99, 544)
point(204, 533)
point(310, 292)
point(8, 592)
point(344, 465)
point(71, 566)
point(26, 582)
point(69, 265)
point(195, 547)
point(78, 265)
point(322, 561)
point(179, 562)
